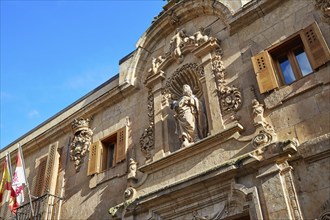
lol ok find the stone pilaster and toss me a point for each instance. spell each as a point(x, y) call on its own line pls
point(205, 52)
point(278, 191)
point(154, 82)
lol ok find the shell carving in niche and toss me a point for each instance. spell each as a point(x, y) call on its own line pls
point(81, 141)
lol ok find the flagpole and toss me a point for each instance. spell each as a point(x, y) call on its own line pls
point(26, 181)
point(9, 166)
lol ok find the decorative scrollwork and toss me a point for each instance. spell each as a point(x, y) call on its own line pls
point(230, 96)
point(147, 137)
point(262, 139)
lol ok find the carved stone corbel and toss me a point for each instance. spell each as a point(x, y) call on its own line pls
point(81, 141)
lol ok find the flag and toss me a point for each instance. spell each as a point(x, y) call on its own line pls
point(5, 181)
point(19, 179)
point(6, 185)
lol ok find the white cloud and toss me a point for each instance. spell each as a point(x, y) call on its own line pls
point(33, 114)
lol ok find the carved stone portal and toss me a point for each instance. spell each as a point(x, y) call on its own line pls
point(81, 141)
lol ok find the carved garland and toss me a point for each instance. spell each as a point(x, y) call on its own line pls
point(147, 138)
point(230, 96)
point(81, 141)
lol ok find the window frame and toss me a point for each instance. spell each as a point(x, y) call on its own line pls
point(97, 152)
point(287, 49)
point(266, 65)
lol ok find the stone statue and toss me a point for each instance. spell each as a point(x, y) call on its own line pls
point(156, 61)
point(176, 44)
point(200, 37)
point(190, 117)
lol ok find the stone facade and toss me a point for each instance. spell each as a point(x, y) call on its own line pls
point(119, 153)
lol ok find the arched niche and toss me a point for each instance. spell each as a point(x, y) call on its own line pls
point(188, 74)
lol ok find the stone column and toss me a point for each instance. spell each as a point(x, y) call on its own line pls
point(205, 52)
point(278, 192)
point(154, 82)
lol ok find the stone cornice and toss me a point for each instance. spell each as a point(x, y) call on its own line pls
point(187, 152)
point(241, 165)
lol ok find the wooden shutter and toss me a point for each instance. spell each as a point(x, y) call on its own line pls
point(264, 71)
point(39, 180)
point(94, 161)
point(52, 169)
point(121, 144)
point(315, 46)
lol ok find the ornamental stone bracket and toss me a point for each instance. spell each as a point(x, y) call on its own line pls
point(81, 141)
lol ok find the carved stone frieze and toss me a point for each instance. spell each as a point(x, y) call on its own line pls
point(230, 96)
point(324, 6)
point(147, 137)
point(81, 141)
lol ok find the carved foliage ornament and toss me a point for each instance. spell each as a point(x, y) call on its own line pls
point(230, 96)
point(147, 137)
point(81, 141)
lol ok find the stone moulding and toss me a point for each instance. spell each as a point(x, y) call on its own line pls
point(240, 199)
point(81, 141)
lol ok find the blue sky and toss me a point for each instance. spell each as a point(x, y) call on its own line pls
point(54, 52)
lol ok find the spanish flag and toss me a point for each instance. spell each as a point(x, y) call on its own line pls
point(5, 185)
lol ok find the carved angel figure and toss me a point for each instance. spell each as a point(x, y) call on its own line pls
point(190, 117)
point(156, 61)
point(200, 36)
point(176, 44)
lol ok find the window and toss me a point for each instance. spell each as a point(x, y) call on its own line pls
point(47, 172)
point(291, 60)
point(106, 153)
point(40, 178)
